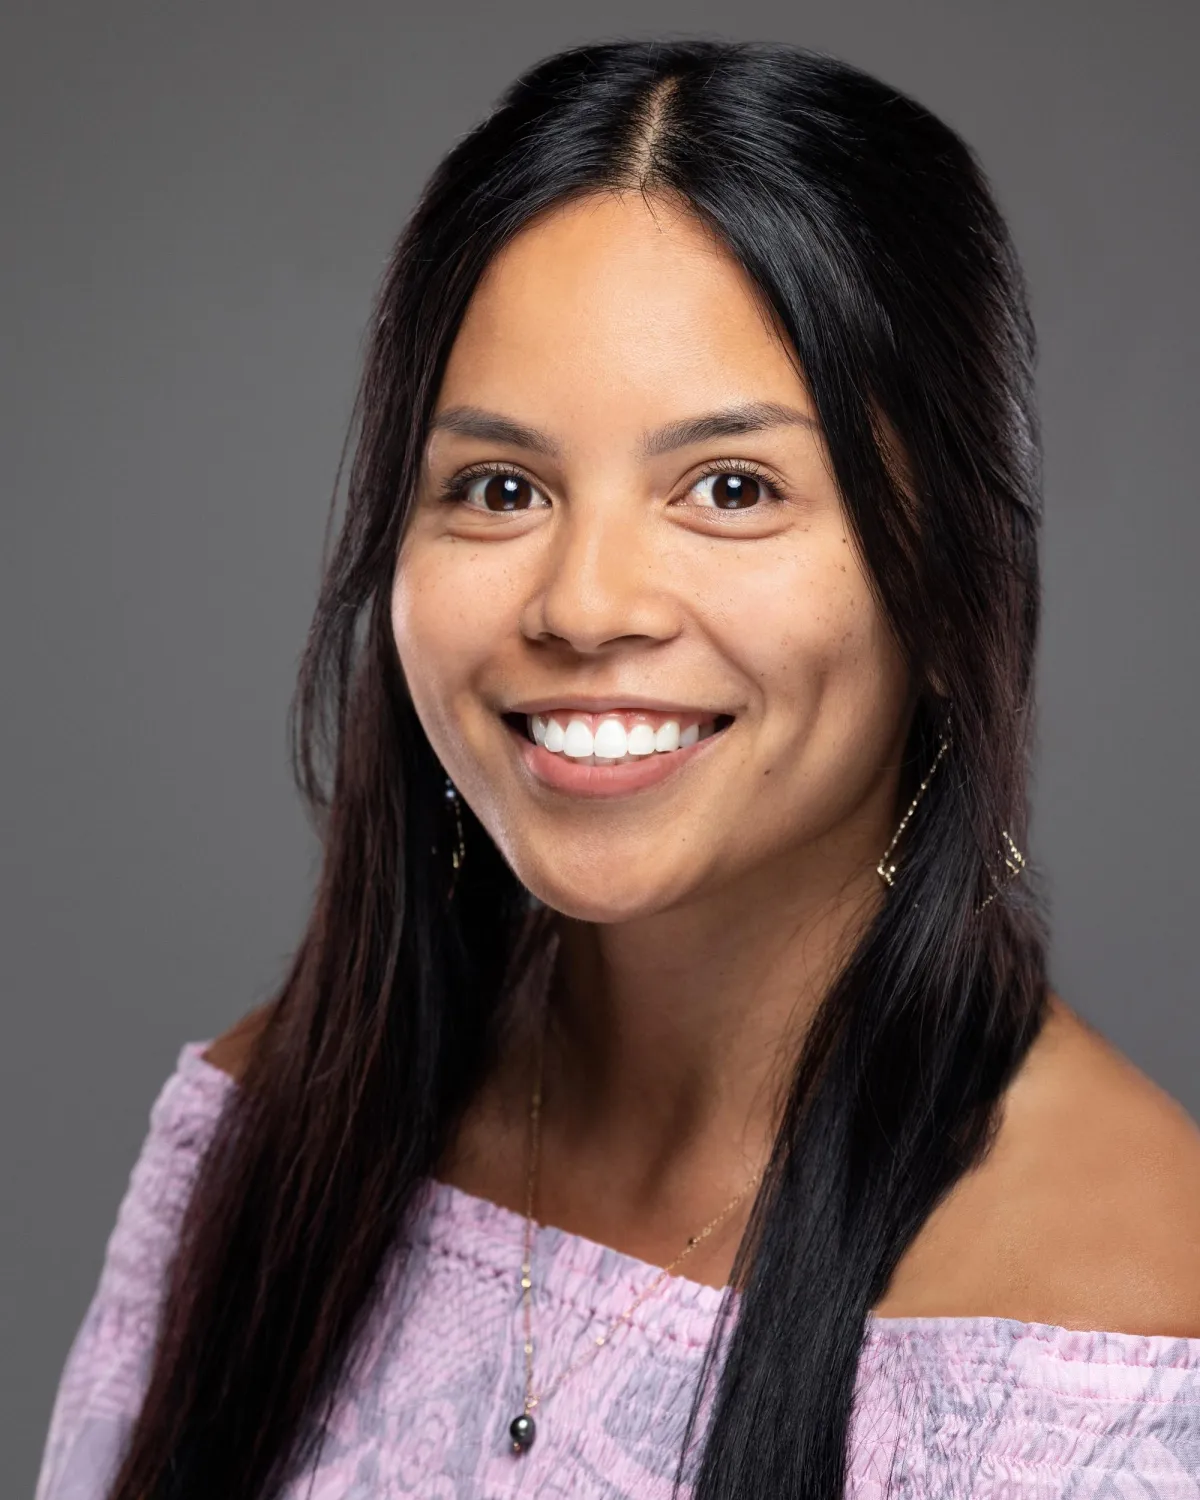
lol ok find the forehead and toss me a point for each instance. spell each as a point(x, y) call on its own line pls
point(613, 301)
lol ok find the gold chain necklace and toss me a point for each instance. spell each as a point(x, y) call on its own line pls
point(522, 1430)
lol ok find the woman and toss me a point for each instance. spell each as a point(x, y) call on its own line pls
point(667, 1094)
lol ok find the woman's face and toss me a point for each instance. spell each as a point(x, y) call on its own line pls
point(628, 607)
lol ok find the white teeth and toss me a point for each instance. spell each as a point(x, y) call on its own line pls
point(611, 740)
point(555, 736)
point(612, 743)
point(640, 740)
point(578, 741)
point(667, 736)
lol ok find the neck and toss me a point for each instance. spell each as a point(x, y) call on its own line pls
point(671, 1045)
point(674, 1036)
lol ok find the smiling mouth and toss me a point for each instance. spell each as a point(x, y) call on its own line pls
point(616, 738)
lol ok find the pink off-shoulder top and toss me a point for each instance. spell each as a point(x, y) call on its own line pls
point(945, 1407)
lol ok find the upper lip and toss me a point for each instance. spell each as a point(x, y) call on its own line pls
point(586, 703)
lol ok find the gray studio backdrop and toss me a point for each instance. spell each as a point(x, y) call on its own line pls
point(197, 203)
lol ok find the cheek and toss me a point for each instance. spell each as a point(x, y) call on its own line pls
point(449, 598)
point(833, 689)
point(807, 629)
point(840, 655)
point(444, 620)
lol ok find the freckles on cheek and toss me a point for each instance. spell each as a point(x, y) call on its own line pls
point(427, 597)
point(423, 628)
point(414, 625)
point(431, 640)
point(451, 613)
point(822, 654)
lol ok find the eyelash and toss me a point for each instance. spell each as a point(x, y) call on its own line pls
point(454, 490)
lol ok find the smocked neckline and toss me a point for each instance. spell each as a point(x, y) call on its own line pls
point(599, 1280)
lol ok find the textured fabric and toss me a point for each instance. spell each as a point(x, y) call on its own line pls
point(946, 1407)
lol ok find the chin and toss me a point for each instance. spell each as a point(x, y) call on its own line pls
point(599, 898)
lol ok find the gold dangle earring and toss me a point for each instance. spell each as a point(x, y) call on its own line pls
point(1014, 863)
point(1014, 860)
point(886, 868)
point(459, 853)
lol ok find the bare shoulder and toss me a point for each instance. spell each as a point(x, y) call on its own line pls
point(232, 1050)
point(1086, 1212)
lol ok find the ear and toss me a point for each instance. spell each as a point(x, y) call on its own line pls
point(937, 684)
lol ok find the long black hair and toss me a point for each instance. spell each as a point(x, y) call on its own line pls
point(872, 235)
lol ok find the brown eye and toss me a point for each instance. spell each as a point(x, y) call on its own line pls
point(496, 492)
point(507, 492)
point(734, 490)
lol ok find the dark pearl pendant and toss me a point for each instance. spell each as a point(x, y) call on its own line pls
point(522, 1431)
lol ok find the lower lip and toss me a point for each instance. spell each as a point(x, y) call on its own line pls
point(562, 774)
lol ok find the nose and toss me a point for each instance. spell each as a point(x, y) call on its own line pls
point(604, 584)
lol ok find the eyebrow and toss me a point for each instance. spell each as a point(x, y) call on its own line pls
point(754, 416)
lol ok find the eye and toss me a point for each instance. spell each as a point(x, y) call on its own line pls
point(737, 487)
point(494, 490)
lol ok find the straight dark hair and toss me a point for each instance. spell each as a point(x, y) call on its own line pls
point(872, 236)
